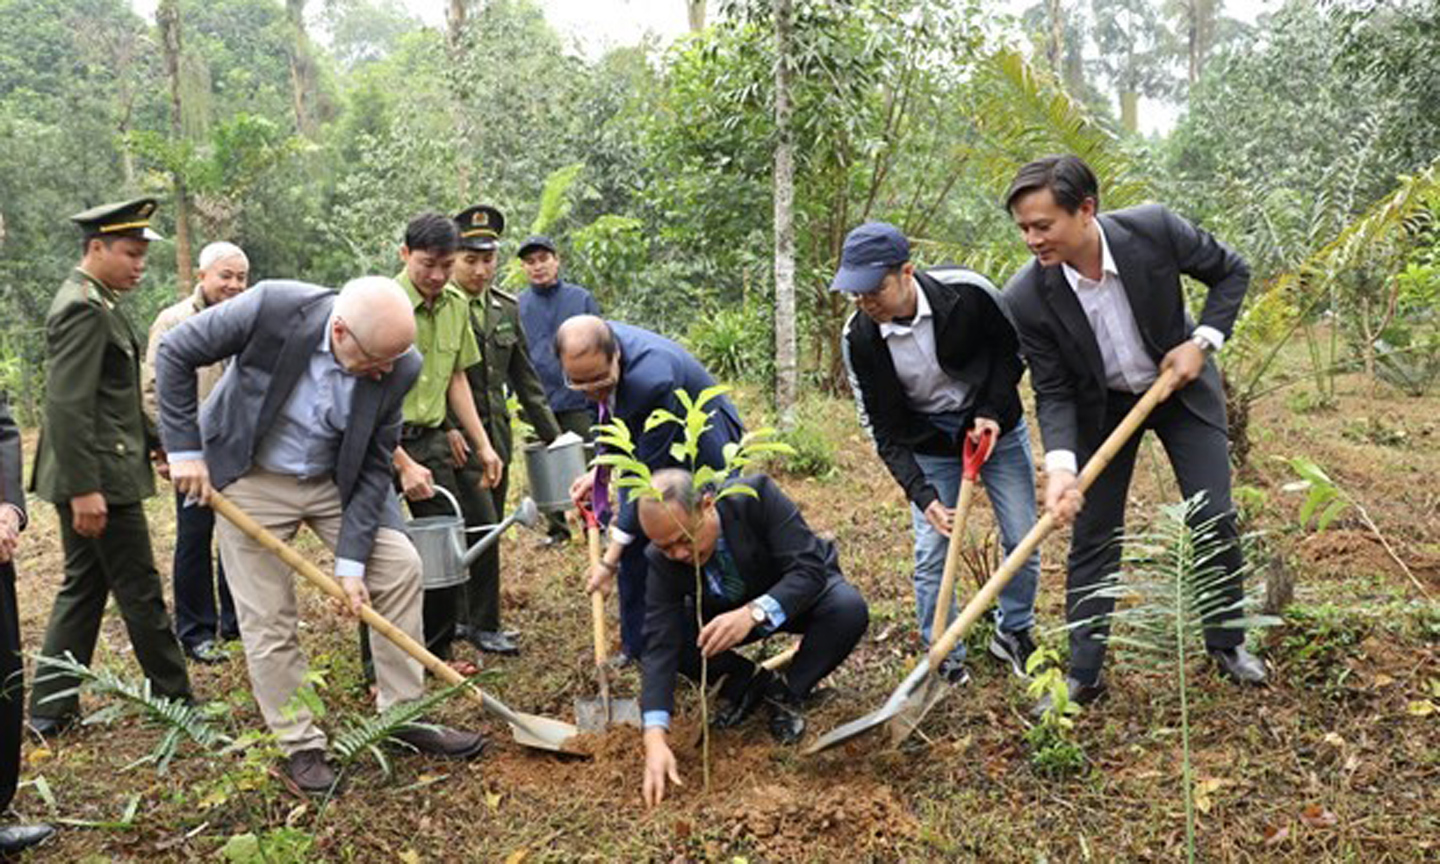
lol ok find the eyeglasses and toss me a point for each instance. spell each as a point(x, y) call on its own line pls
point(372, 361)
point(612, 377)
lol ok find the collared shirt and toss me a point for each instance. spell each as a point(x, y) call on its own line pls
point(446, 342)
point(305, 440)
point(912, 348)
point(1128, 365)
point(723, 580)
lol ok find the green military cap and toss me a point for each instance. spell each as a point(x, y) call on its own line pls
point(122, 219)
point(480, 227)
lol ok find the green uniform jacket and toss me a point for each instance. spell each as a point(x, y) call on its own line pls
point(95, 437)
point(504, 358)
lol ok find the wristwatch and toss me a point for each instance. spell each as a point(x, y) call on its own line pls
point(757, 614)
point(1203, 344)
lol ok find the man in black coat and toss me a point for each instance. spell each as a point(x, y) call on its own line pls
point(763, 570)
point(1101, 313)
point(13, 838)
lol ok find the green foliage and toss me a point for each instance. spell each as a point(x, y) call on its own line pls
point(284, 845)
point(812, 447)
point(735, 342)
point(180, 721)
point(369, 734)
point(1324, 500)
point(1053, 750)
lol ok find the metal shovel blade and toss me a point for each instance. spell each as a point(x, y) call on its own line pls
point(914, 683)
point(591, 714)
point(532, 730)
point(916, 706)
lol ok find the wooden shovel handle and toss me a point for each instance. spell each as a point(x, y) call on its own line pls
point(1117, 439)
point(597, 599)
point(952, 557)
point(315, 576)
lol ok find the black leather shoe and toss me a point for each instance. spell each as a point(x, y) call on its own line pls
point(50, 727)
point(1239, 665)
point(207, 652)
point(493, 642)
point(309, 771)
point(1080, 694)
point(18, 838)
point(731, 712)
point(443, 741)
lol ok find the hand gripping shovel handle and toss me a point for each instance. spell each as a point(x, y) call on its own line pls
point(1027, 546)
point(973, 456)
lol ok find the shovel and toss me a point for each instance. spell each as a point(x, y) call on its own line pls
point(916, 694)
point(597, 715)
point(530, 730)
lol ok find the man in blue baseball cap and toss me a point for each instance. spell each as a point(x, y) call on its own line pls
point(932, 357)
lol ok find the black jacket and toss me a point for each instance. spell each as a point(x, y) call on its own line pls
point(775, 553)
point(976, 345)
point(1151, 247)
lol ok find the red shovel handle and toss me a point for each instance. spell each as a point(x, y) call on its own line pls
point(588, 513)
point(974, 455)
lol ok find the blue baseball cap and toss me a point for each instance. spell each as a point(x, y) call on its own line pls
point(870, 251)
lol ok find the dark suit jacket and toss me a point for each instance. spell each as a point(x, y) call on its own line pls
point(12, 486)
point(272, 330)
point(975, 344)
point(1151, 247)
point(775, 553)
point(652, 368)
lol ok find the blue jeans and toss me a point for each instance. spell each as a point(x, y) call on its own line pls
point(1009, 476)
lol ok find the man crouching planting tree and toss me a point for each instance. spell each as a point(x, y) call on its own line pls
point(763, 571)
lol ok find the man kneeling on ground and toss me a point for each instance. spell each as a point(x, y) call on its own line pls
point(764, 570)
point(301, 430)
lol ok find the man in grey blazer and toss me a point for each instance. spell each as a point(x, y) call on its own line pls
point(1100, 313)
point(300, 429)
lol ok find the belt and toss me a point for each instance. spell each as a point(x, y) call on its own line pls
point(409, 432)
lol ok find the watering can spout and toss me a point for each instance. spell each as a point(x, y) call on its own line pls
point(526, 514)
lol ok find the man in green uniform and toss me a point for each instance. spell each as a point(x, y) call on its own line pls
point(424, 458)
point(93, 464)
point(504, 359)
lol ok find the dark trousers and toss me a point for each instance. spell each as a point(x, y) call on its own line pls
point(578, 422)
point(482, 593)
point(830, 630)
point(1199, 456)
point(634, 569)
point(203, 608)
point(442, 606)
point(118, 562)
point(12, 687)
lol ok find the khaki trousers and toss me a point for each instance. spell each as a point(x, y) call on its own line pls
point(265, 606)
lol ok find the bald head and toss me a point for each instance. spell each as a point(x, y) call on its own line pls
point(584, 334)
point(377, 312)
point(589, 356)
point(681, 523)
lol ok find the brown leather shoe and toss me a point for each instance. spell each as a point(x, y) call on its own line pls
point(308, 770)
point(443, 741)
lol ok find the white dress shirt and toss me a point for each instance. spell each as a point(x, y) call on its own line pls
point(1128, 365)
point(912, 348)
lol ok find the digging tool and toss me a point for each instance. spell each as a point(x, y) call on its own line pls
point(907, 705)
point(597, 715)
point(530, 730)
point(972, 459)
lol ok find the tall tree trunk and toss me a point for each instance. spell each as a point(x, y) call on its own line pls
point(1130, 110)
point(456, 16)
point(695, 9)
point(167, 16)
point(786, 373)
point(1055, 42)
point(302, 69)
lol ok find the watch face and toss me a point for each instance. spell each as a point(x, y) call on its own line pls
point(757, 613)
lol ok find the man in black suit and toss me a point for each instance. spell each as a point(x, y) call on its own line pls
point(13, 838)
point(1101, 313)
point(764, 570)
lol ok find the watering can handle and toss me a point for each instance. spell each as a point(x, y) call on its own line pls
point(454, 504)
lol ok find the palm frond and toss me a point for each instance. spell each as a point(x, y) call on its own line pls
point(182, 721)
point(370, 734)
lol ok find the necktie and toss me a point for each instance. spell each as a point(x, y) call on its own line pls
point(600, 493)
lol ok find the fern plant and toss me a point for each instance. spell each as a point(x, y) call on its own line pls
point(631, 474)
point(1173, 588)
point(181, 720)
point(370, 734)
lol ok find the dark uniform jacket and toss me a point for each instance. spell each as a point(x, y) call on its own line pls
point(505, 359)
point(542, 311)
point(96, 437)
point(775, 553)
point(976, 345)
point(1151, 247)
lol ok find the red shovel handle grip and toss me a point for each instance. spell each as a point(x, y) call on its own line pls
point(588, 513)
point(974, 454)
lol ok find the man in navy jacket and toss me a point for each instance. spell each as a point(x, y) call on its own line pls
point(628, 373)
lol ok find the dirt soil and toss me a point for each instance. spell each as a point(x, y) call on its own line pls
point(1338, 760)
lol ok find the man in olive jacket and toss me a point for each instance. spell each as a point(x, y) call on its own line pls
point(93, 464)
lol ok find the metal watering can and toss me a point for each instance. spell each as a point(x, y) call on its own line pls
point(552, 468)
point(440, 540)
